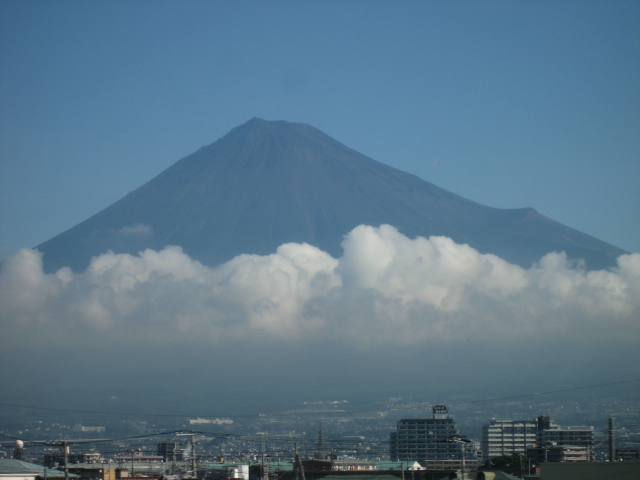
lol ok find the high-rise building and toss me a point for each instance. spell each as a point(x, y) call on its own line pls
point(434, 442)
point(170, 451)
point(506, 437)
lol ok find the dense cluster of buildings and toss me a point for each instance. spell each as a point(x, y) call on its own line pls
point(436, 442)
point(540, 440)
point(418, 446)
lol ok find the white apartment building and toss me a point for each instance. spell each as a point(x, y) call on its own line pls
point(505, 437)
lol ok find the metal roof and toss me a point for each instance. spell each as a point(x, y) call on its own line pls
point(13, 466)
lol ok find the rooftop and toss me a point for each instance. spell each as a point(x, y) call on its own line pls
point(13, 466)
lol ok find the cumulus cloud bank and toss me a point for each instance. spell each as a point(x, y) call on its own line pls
point(385, 289)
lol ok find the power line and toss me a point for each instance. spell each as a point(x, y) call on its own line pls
point(90, 440)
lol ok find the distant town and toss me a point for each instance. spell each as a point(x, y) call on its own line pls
point(398, 439)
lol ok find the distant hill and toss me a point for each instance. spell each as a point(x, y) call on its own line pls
point(268, 183)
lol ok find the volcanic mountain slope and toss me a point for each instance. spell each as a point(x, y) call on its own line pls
point(268, 183)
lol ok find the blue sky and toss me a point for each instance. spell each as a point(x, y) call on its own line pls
point(510, 104)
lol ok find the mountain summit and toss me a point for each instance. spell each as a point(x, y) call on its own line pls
point(267, 183)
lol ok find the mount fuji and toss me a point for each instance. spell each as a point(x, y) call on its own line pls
point(267, 183)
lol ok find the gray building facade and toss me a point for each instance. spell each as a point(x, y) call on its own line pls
point(434, 442)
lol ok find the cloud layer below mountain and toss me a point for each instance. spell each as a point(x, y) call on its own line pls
point(387, 292)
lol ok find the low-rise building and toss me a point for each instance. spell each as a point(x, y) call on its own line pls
point(558, 453)
point(339, 465)
point(138, 457)
point(58, 458)
point(628, 454)
point(83, 428)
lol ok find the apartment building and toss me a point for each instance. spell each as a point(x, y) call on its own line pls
point(434, 442)
point(506, 437)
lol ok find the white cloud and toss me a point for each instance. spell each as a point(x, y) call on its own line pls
point(385, 289)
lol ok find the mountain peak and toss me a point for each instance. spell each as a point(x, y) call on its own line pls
point(267, 183)
point(258, 127)
point(260, 123)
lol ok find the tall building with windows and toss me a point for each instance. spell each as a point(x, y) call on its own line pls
point(580, 438)
point(577, 436)
point(170, 451)
point(434, 442)
point(506, 437)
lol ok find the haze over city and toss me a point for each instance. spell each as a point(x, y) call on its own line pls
point(508, 105)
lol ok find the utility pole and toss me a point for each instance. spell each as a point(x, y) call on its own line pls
point(193, 457)
point(65, 453)
point(521, 465)
point(297, 464)
point(320, 445)
point(265, 474)
point(462, 443)
point(612, 446)
point(173, 458)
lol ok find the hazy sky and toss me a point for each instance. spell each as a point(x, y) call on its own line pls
point(511, 104)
